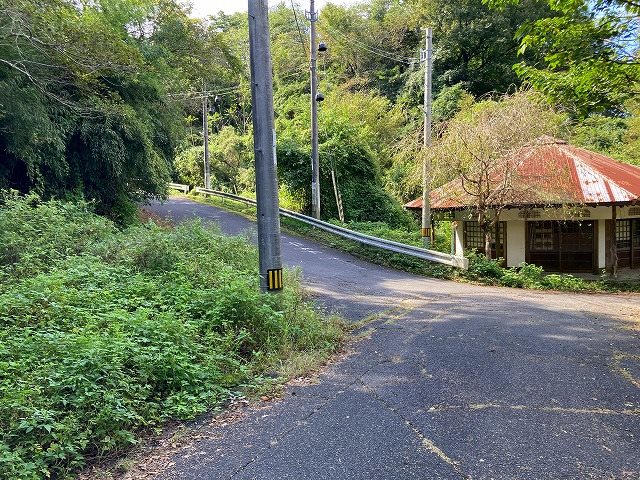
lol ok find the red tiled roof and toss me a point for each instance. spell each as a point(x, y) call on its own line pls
point(551, 171)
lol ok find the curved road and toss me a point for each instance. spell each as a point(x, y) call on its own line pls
point(450, 381)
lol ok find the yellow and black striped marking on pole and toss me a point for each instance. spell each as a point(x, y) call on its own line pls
point(275, 279)
point(426, 232)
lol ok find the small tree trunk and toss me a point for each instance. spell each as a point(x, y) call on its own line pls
point(487, 244)
point(496, 237)
point(485, 226)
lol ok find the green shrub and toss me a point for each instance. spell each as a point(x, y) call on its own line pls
point(526, 275)
point(410, 236)
point(481, 267)
point(35, 234)
point(563, 282)
point(188, 165)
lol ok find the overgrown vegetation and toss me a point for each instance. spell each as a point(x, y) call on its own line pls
point(106, 332)
point(409, 236)
point(93, 95)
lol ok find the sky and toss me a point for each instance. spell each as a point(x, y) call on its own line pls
point(202, 8)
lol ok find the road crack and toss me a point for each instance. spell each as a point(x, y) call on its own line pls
point(278, 438)
point(426, 442)
point(572, 410)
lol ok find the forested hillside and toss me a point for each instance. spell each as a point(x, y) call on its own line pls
point(103, 100)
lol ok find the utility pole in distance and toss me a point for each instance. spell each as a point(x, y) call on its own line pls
point(205, 129)
point(264, 147)
point(426, 167)
point(315, 161)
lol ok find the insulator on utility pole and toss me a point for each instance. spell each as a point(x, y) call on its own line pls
point(426, 164)
point(205, 129)
point(315, 161)
point(264, 147)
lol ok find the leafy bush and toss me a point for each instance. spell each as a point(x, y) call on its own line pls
point(189, 167)
point(124, 330)
point(525, 276)
point(383, 230)
point(410, 235)
point(562, 282)
point(480, 267)
point(230, 161)
point(35, 234)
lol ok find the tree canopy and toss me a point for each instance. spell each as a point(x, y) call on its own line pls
point(91, 95)
point(590, 51)
point(103, 99)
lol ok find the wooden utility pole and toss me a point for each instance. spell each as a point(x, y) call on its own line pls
point(315, 161)
point(205, 130)
point(264, 147)
point(426, 167)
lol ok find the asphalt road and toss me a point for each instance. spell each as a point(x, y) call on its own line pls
point(451, 381)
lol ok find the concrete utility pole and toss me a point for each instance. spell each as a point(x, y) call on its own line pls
point(315, 161)
point(264, 147)
point(426, 167)
point(205, 129)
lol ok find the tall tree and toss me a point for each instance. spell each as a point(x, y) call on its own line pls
point(356, 135)
point(590, 49)
point(476, 151)
point(372, 45)
point(474, 45)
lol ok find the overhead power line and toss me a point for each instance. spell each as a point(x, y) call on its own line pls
point(374, 50)
point(304, 45)
point(201, 94)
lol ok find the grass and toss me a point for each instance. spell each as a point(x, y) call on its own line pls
point(481, 270)
point(105, 333)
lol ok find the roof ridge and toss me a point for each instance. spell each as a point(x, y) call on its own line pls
point(547, 140)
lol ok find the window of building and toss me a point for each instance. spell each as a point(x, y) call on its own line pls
point(473, 236)
point(543, 236)
point(635, 230)
point(623, 233)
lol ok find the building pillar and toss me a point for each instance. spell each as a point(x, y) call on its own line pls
point(602, 243)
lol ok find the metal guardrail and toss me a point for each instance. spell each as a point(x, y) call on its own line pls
point(180, 187)
point(422, 253)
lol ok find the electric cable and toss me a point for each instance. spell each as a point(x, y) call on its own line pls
point(200, 94)
point(370, 49)
point(304, 45)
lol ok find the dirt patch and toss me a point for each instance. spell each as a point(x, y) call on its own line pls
point(146, 215)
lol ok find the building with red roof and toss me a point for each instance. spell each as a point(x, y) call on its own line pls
point(570, 209)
